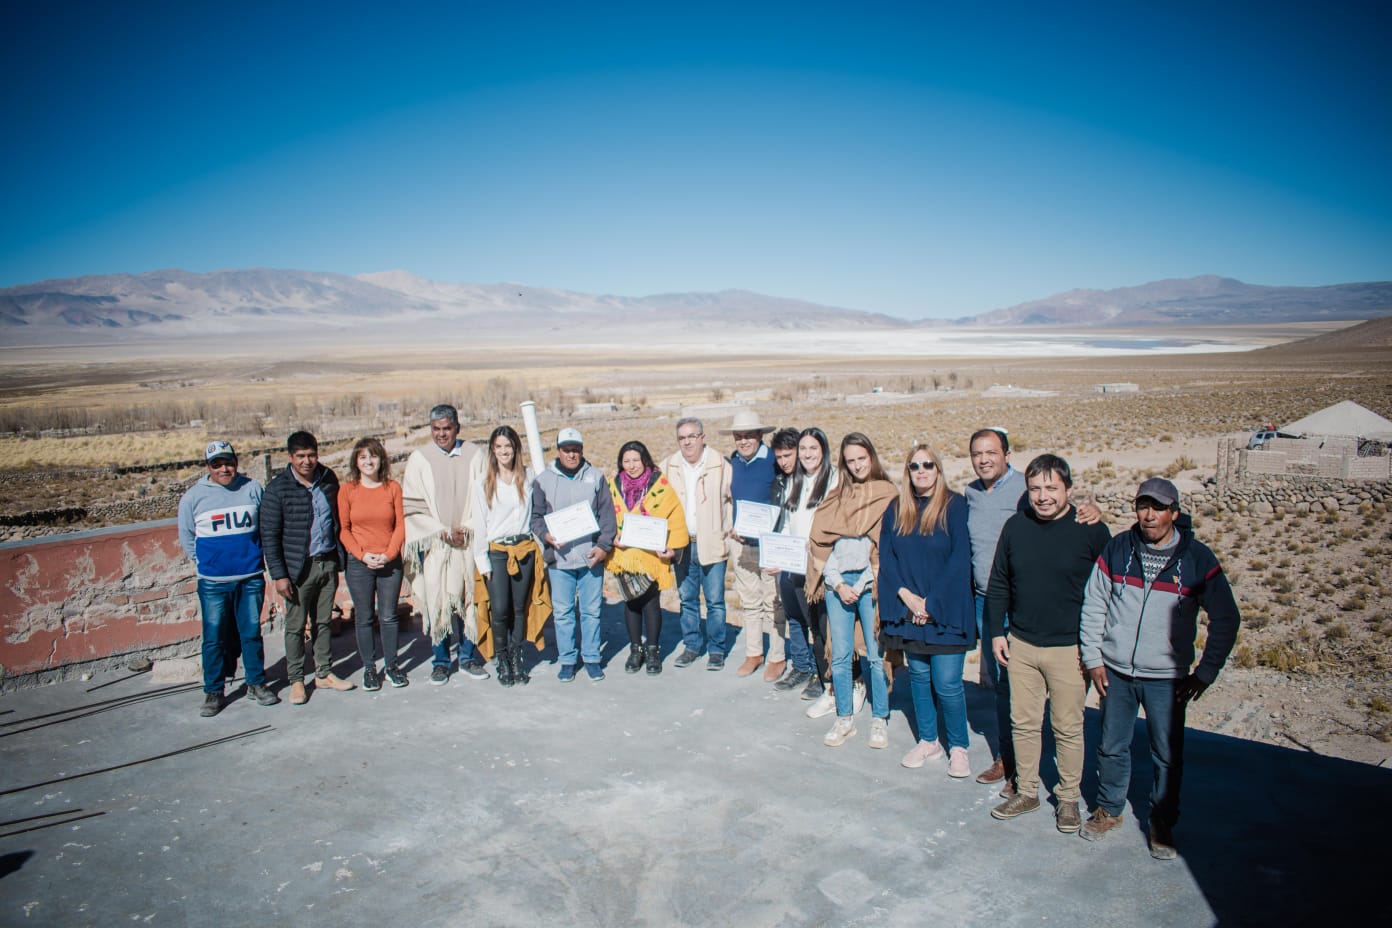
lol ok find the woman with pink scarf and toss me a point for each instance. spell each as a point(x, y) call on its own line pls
point(638, 488)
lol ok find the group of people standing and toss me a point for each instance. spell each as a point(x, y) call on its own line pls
point(912, 573)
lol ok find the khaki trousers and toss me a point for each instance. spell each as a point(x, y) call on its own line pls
point(758, 593)
point(1036, 675)
point(313, 605)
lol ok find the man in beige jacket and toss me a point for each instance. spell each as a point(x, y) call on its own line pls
point(701, 479)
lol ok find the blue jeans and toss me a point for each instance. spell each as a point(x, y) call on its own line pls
point(1165, 721)
point(567, 585)
point(841, 619)
point(693, 579)
point(440, 653)
point(939, 675)
point(1000, 741)
point(795, 607)
point(237, 602)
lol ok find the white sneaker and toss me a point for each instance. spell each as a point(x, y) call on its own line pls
point(858, 697)
point(957, 764)
point(921, 753)
point(823, 705)
point(841, 729)
point(879, 733)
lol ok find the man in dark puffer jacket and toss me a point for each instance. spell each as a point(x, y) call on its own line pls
point(299, 532)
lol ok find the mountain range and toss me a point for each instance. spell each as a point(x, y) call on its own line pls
point(180, 303)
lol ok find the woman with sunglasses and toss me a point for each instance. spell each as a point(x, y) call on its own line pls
point(926, 609)
point(843, 559)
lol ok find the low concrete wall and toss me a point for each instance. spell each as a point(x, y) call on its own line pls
point(96, 597)
point(89, 596)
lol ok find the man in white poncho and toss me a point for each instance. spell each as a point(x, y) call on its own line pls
point(436, 560)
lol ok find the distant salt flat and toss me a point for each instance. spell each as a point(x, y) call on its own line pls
point(974, 343)
point(604, 339)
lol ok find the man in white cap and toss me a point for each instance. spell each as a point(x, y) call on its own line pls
point(1139, 622)
point(575, 566)
point(701, 479)
point(218, 530)
point(751, 478)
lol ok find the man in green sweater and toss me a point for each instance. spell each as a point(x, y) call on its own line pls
point(1042, 564)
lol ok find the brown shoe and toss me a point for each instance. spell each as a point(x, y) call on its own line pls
point(1066, 817)
point(1007, 789)
point(774, 671)
point(1016, 805)
point(1099, 823)
point(298, 696)
point(750, 665)
point(334, 682)
point(994, 773)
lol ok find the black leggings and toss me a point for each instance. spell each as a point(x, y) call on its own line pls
point(646, 610)
point(507, 598)
point(381, 589)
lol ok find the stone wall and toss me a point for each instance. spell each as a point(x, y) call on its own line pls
point(1261, 496)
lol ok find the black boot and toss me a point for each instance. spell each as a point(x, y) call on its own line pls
point(519, 667)
point(654, 659)
point(505, 675)
point(635, 658)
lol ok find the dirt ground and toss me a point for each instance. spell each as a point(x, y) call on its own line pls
point(1313, 666)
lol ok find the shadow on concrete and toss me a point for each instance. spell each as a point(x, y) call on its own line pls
point(1274, 835)
point(10, 863)
point(1271, 835)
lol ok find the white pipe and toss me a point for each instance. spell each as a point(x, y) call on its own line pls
point(529, 424)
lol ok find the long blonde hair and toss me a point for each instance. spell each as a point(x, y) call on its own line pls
point(907, 521)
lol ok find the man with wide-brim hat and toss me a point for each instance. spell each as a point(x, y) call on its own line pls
point(752, 473)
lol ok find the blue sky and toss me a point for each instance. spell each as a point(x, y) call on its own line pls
point(919, 159)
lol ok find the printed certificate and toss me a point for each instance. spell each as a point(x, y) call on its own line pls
point(571, 523)
point(646, 532)
point(754, 519)
point(783, 552)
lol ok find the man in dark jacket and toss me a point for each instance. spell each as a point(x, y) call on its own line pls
point(1139, 623)
point(299, 531)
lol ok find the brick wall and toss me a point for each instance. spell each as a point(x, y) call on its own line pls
point(1264, 462)
point(87, 596)
point(1369, 468)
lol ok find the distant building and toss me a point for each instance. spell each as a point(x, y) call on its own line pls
point(1116, 388)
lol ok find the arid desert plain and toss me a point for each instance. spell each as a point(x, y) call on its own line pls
point(1312, 668)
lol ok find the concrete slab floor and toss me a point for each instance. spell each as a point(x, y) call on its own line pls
point(690, 798)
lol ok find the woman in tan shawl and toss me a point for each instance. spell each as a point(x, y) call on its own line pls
point(843, 557)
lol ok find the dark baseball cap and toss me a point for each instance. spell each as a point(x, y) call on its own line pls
point(1160, 490)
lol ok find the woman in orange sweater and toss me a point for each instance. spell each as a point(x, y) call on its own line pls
point(373, 531)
